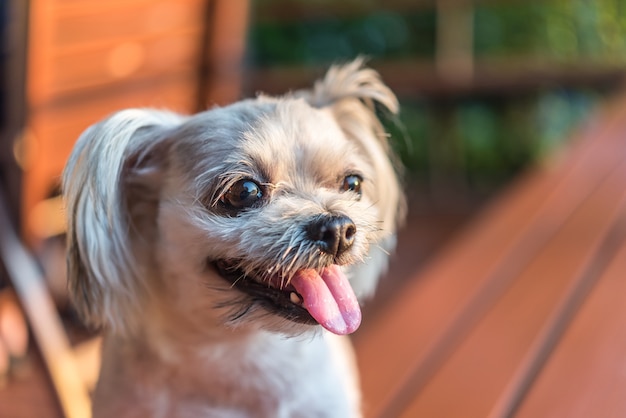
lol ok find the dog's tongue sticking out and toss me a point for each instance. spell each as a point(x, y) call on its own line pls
point(329, 298)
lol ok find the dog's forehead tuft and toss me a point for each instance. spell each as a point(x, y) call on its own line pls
point(297, 139)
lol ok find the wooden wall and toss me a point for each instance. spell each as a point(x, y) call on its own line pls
point(89, 58)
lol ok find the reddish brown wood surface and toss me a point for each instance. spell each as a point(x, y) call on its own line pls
point(508, 340)
point(586, 376)
point(470, 333)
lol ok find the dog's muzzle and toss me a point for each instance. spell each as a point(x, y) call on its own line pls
point(320, 295)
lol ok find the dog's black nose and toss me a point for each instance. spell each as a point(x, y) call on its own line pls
point(333, 234)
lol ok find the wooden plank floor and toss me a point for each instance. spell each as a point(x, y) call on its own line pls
point(29, 394)
point(506, 343)
point(521, 315)
point(428, 229)
point(473, 332)
point(588, 367)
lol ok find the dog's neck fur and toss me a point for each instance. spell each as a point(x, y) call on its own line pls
point(249, 374)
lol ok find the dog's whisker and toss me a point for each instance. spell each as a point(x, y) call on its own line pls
point(312, 256)
point(286, 253)
point(241, 277)
point(386, 252)
point(294, 259)
point(217, 288)
point(242, 313)
point(293, 242)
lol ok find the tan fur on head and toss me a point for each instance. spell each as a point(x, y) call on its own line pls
point(185, 234)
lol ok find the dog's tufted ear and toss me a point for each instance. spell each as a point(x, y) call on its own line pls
point(112, 174)
point(351, 81)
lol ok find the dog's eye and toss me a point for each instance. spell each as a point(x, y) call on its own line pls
point(352, 183)
point(242, 194)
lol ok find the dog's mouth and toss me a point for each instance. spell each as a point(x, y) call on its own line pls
point(310, 296)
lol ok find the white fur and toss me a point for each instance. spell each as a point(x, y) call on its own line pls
point(146, 223)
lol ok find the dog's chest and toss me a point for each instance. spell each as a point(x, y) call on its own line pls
point(282, 378)
point(289, 379)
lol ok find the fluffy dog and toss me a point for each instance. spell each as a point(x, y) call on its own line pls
point(224, 254)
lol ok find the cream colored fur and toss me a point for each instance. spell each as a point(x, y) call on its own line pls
point(143, 191)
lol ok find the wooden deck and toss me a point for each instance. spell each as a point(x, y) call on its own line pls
point(520, 315)
point(29, 393)
point(523, 315)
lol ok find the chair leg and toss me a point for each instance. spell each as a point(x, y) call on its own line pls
point(44, 320)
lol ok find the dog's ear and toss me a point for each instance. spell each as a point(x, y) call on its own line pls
point(351, 81)
point(351, 92)
point(112, 175)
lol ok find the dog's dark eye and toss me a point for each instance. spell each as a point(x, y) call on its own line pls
point(242, 194)
point(352, 183)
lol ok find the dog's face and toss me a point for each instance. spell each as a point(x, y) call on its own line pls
point(273, 213)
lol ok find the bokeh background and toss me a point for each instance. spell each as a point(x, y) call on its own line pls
point(489, 89)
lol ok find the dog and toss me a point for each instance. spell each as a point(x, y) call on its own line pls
point(224, 255)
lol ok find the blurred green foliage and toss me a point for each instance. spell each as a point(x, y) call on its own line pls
point(331, 39)
point(556, 29)
point(483, 141)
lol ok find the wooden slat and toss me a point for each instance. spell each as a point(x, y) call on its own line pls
point(31, 395)
point(405, 345)
point(53, 131)
point(89, 44)
point(169, 54)
point(225, 49)
point(44, 321)
point(495, 353)
point(109, 22)
point(513, 77)
point(585, 376)
point(569, 303)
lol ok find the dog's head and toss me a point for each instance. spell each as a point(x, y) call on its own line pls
point(273, 213)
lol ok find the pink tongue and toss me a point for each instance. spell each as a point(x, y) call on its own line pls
point(329, 298)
